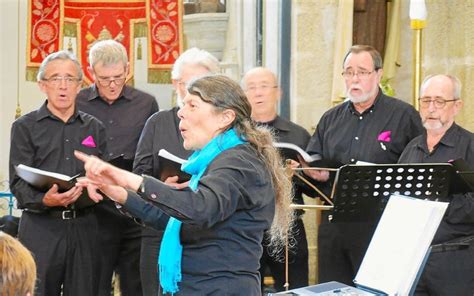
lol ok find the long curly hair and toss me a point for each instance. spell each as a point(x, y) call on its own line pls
point(224, 93)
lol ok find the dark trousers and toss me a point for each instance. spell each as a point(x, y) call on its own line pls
point(448, 273)
point(341, 248)
point(151, 241)
point(297, 262)
point(120, 239)
point(65, 252)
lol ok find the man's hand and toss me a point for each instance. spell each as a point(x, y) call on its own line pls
point(173, 182)
point(318, 175)
point(53, 198)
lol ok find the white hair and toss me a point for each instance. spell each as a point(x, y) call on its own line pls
point(195, 56)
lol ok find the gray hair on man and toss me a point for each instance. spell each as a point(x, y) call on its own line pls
point(59, 55)
point(109, 52)
point(457, 85)
point(195, 56)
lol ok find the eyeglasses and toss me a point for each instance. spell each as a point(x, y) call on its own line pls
point(56, 80)
point(438, 103)
point(261, 87)
point(361, 74)
point(108, 81)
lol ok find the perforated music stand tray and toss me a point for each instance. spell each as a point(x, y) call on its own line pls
point(361, 192)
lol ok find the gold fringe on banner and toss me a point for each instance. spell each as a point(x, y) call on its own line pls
point(159, 76)
point(140, 30)
point(69, 46)
point(18, 111)
point(70, 29)
point(139, 49)
point(31, 73)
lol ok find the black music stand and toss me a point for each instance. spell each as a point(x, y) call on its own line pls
point(361, 192)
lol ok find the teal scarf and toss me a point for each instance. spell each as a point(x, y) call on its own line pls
point(171, 249)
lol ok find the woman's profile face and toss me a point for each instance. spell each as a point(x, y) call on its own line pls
point(199, 122)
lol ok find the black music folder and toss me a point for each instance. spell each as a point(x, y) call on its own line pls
point(44, 180)
point(170, 165)
point(292, 151)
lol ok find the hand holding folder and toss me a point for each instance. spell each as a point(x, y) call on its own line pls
point(44, 180)
point(170, 166)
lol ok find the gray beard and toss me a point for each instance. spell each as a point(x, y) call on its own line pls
point(363, 98)
point(433, 126)
point(358, 100)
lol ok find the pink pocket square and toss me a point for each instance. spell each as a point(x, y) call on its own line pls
point(89, 142)
point(385, 136)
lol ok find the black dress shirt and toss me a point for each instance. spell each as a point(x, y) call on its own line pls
point(233, 206)
point(161, 131)
point(456, 143)
point(123, 119)
point(41, 140)
point(289, 132)
point(344, 135)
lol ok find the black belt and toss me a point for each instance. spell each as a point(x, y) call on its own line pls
point(453, 246)
point(64, 214)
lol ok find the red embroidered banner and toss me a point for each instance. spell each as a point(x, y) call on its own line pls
point(44, 30)
point(97, 21)
point(88, 21)
point(164, 32)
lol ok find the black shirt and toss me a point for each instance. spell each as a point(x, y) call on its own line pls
point(456, 143)
point(233, 206)
point(40, 139)
point(289, 132)
point(123, 119)
point(161, 131)
point(347, 136)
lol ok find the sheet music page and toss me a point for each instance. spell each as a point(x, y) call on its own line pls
point(164, 153)
point(399, 244)
point(308, 158)
point(43, 172)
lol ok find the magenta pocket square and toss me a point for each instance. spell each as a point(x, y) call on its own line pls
point(89, 142)
point(385, 136)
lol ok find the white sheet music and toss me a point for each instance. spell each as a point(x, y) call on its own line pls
point(399, 245)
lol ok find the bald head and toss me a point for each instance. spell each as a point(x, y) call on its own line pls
point(439, 102)
point(261, 87)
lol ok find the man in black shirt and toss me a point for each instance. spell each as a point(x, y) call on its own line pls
point(371, 127)
point(262, 90)
point(450, 266)
point(124, 111)
point(161, 132)
point(60, 233)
